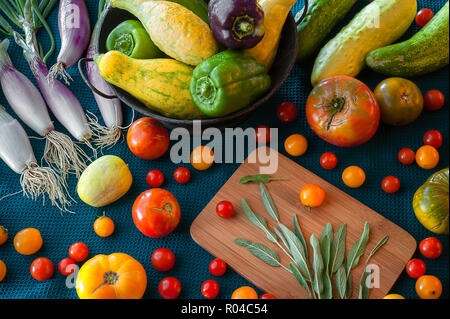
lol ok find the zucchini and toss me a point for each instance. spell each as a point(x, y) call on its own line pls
point(319, 21)
point(378, 24)
point(425, 52)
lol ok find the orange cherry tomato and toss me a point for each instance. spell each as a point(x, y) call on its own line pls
point(148, 139)
point(3, 235)
point(2, 270)
point(428, 287)
point(244, 293)
point(28, 241)
point(104, 226)
point(312, 195)
point(354, 177)
point(156, 213)
point(296, 145)
point(427, 157)
point(202, 158)
point(117, 276)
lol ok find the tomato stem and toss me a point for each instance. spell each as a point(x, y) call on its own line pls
point(110, 278)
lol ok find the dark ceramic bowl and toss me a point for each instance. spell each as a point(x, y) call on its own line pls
point(281, 68)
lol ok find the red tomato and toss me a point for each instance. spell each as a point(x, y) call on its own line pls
point(66, 266)
point(434, 100)
point(433, 138)
point(79, 252)
point(225, 209)
point(169, 288)
point(424, 16)
point(217, 267)
point(343, 111)
point(262, 135)
point(156, 213)
point(148, 139)
point(406, 156)
point(390, 184)
point(328, 161)
point(287, 112)
point(431, 248)
point(155, 178)
point(415, 268)
point(182, 175)
point(42, 269)
point(163, 259)
point(210, 289)
point(268, 296)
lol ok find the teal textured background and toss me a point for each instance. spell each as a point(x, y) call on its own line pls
point(378, 158)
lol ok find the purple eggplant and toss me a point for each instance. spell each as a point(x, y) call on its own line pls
point(237, 24)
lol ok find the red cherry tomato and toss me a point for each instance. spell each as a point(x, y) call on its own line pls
point(268, 296)
point(225, 209)
point(262, 135)
point(66, 266)
point(163, 259)
point(217, 267)
point(42, 269)
point(210, 289)
point(328, 161)
point(148, 139)
point(155, 178)
point(431, 248)
point(182, 175)
point(169, 288)
point(433, 138)
point(79, 252)
point(424, 16)
point(415, 268)
point(390, 184)
point(407, 156)
point(434, 100)
point(287, 112)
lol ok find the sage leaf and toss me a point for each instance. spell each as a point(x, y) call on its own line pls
point(264, 253)
point(341, 281)
point(325, 249)
point(349, 287)
point(258, 178)
point(358, 249)
point(337, 254)
point(281, 237)
point(299, 234)
point(242, 242)
point(364, 290)
point(317, 266)
point(380, 244)
point(268, 202)
point(258, 221)
point(301, 280)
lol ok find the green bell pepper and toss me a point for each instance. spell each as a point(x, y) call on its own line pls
point(228, 82)
point(131, 38)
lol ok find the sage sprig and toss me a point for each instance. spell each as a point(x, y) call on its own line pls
point(325, 249)
point(259, 178)
point(268, 202)
point(258, 221)
point(299, 234)
point(337, 254)
point(318, 266)
point(380, 244)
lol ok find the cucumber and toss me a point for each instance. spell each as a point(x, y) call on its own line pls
point(425, 52)
point(319, 21)
point(380, 23)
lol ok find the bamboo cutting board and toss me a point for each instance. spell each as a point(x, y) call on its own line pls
point(217, 235)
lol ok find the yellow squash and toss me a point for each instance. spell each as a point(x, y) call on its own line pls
point(175, 30)
point(275, 14)
point(161, 84)
point(104, 181)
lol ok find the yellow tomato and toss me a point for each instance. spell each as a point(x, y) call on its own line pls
point(428, 287)
point(104, 226)
point(244, 293)
point(3, 235)
point(296, 145)
point(28, 241)
point(202, 158)
point(312, 195)
point(394, 296)
point(427, 157)
point(2, 270)
point(353, 176)
point(117, 276)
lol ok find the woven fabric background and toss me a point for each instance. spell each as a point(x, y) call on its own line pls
point(378, 158)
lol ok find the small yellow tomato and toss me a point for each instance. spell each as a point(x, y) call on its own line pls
point(428, 287)
point(312, 195)
point(394, 296)
point(28, 241)
point(354, 176)
point(202, 158)
point(3, 235)
point(2, 270)
point(296, 145)
point(244, 293)
point(104, 226)
point(427, 157)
